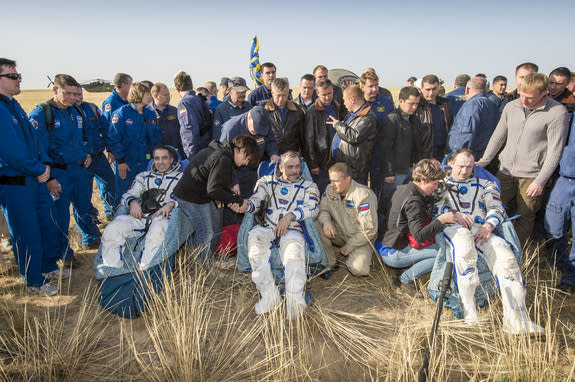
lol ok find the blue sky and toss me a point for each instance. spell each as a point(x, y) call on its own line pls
point(210, 39)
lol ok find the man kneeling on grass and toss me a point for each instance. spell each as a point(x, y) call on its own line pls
point(150, 199)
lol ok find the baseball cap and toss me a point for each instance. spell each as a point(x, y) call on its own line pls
point(238, 84)
point(224, 81)
point(261, 118)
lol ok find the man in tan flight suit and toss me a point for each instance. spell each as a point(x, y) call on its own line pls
point(348, 219)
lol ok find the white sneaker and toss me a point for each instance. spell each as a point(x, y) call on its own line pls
point(59, 273)
point(46, 289)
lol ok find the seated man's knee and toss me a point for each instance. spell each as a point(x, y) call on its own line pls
point(464, 247)
point(505, 262)
point(359, 261)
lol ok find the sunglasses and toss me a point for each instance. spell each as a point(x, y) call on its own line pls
point(12, 76)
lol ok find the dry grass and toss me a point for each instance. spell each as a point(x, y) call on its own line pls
point(203, 328)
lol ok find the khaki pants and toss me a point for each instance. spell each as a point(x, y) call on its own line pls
point(526, 206)
point(358, 262)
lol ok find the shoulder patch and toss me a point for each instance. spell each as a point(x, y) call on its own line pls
point(364, 207)
point(183, 112)
point(260, 140)
point(34, 123)
point(349, 203)
point(108, 108)
point(115, 119)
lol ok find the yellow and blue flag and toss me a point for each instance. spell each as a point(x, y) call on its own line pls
point(255, 71)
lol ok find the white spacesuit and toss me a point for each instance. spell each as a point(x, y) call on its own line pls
point(154, 227)
point(280, 197)
point(480, 199)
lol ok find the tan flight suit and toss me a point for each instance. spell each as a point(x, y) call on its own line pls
point(354, 217)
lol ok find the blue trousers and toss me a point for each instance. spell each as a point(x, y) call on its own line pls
point(100, 170)
point(30, 214)
point(207, 229)
point(559, 216)
point(77, 191)
point(419, 261)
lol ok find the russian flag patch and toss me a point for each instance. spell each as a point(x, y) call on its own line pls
point(364, 207)
point(183, 112)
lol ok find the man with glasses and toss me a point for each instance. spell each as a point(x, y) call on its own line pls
point(24, 198)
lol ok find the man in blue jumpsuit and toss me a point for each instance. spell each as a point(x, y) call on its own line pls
point(119, 96)
point(167, 117)
point(60, 126)
point(132, 136)
point(456, 97)
point(95, 124)
point(264, 92)
point(24, 198)
point(195, 134)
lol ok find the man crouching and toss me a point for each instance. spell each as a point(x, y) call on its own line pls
point(288, 199)
point(150, 199)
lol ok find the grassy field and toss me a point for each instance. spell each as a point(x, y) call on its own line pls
point(203, 328)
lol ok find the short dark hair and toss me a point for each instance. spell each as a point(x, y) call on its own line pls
point(6, 62)
point(407, 92)
point(148, 83)
point(183, 82)
point(430, 79)
point(461, 80)
point(527, 65)
point(122, 78)
point(561, 72)
point(173, 153)
point(463, 150)
point(307, 77)
point(499, 79)
point(63, 80)
point(268, 65)
point(326, 84)
point(250, 147)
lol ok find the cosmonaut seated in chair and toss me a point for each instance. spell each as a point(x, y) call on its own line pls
point(286, 199)
point(479, 211)
point(150, 199)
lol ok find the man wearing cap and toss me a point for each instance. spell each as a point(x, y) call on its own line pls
point(456, 97)
point(234, 105)
point(195, 135)
point(224, 88)
point(264, 92)
point(286, 118)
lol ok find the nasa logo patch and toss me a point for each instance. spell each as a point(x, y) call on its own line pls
point(115, 119)
point(108, 108)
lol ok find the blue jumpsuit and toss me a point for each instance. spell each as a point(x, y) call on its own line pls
point(190, 116)
point(131, 138)
point(67, 145)
point(111, 104)
point(27, 205)
point(97, 126)
point(380, 107)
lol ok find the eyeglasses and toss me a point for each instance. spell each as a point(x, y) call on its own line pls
point(12, 76)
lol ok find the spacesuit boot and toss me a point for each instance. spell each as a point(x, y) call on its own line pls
point(270, 297)
point(295, 283)
point(467, 296)
point(515, 318)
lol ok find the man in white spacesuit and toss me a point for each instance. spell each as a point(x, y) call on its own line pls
point(150, 199)
point(286, 199)
point(479, 211)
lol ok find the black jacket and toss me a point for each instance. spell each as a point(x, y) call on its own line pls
point(317, 142)
point(426, 123)
point(289, 132)
point(400, 146)
point(357, 140)
point(410, 211)
point(208, 176)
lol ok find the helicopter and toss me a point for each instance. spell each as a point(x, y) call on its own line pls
point(97, 85)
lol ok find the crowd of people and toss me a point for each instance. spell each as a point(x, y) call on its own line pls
point(374, 173)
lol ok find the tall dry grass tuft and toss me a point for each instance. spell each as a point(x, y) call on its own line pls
point(59, 344)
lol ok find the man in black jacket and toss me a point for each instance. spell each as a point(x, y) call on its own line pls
point(207, 179)
point(319, 134)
